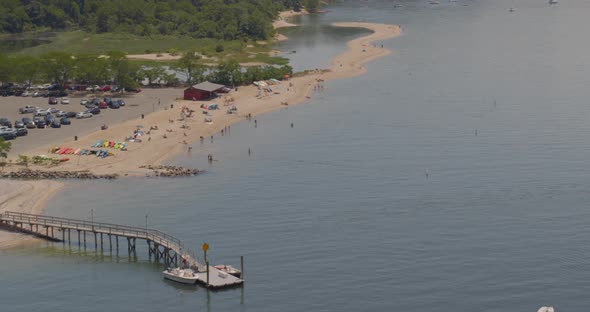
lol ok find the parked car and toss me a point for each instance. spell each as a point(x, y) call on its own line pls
point(121, 102)
point(93, 88)
point(57, 94)
point(41, 124)
point(30, 124)
point(60, 114)
point(8, 135)
point(114, 105)
point(102, 105)
point(5, 122)
point(94, 111)
point(71, 114)
point(54, 86)
point(27, 93)
point(65, 101)
point(83, 115)
point(22, 132)
point(42, 112)
point(27, 109)
point(52, 101)
point(55, 124)
point(83, 101)
point(49, 118)
point(53, 110)
point(105, 88)
point(19, 124)
point(26, 120)
point(90, 105)
point(65, 121)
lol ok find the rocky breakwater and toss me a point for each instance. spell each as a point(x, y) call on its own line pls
point(170, 171)
point(27, 174)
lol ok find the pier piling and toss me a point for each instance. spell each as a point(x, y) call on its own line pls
point(163, 247)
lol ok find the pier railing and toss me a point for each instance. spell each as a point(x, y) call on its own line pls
point(99, 227)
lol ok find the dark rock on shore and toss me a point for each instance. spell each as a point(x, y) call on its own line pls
point(27, 174)
point(171, 171)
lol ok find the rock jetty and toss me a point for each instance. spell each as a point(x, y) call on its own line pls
point(171, 171)
point(27, 174)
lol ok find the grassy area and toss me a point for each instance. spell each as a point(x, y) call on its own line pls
point(83, 42)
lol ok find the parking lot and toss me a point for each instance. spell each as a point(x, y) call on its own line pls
point(144, 102)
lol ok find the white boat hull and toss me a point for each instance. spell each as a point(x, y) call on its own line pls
point(188, 280)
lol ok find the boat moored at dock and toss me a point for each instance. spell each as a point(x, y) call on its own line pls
point(184, 276)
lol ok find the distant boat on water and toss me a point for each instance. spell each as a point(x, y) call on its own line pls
point(553, 1)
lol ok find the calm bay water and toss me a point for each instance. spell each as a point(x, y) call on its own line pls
point(382, 196)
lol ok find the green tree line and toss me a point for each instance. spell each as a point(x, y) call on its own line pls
point(219, 19)
point(115, 68)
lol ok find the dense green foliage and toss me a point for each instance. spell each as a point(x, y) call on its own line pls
point(219, 19)
point(115, 68)
point(4, 148)
point(64, 68)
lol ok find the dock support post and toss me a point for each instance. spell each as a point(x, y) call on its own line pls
point(84, 239)
point(95, 241)
point(242, 267)
point(101, 242)
point(69, 240)
point(207, 264)
point(63, 235)
point(52, 232)
point(78, 237)
point(117, 242)
point(110, 243)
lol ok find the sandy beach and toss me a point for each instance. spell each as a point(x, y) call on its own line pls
point(175, 135)
point(27, 197)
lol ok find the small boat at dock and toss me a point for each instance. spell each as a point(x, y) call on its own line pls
point(184, 276)
point(229, 270)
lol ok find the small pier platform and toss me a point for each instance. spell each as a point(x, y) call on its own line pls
point(218, 279)
point(161, 246)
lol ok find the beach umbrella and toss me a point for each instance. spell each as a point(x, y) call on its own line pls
point(286, 76)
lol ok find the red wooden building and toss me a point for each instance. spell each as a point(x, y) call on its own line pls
point(202, 91)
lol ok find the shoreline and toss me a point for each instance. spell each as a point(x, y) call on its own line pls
point(27, 197)
point(171, 139)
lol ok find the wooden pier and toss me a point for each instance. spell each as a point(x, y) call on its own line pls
point(163, 247)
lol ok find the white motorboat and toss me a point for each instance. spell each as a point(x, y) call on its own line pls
point(184, 276)
point(229, 270)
